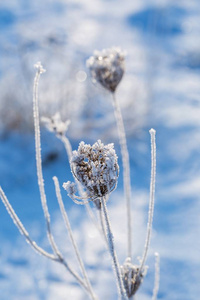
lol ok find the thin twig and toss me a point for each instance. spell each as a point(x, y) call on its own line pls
point(121, 290)
point(67, 223)
point(67, 145)
point(39, 71)
point(126, 169)
point(152, 197)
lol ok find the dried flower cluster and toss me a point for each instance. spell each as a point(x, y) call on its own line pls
point(131, 277)
point(55, 124)
point(107, 67)
point(96, 168)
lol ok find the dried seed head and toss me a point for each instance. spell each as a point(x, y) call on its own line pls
point(107, 67)
point(96, 168)
point(131, 277)
point(55, 124)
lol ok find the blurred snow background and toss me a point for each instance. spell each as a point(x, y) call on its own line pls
point(160, 89)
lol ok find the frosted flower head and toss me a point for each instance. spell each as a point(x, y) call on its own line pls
point(107, 67)
point(38, 66)
point(96, 168)
point(131, 277)
point(55, 124)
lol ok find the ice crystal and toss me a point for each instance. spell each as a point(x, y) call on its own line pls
point(107, 67)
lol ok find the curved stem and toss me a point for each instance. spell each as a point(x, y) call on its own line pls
point(126, 169)
point(60, 258)
point(67, 145)
point(39, 71)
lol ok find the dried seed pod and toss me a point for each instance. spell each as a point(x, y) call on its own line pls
point(96, 168)
point(131, 277)
point(107, 67)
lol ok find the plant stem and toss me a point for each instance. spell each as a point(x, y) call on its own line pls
point(59, 256)
point(152, 197)
point(126, 169)
point(39, 71)
point(121, 290)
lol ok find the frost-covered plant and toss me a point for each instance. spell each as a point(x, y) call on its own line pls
point(95, 170)
point(132, 278)
point(107, 67)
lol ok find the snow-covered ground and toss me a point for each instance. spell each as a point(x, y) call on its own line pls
point(160, 89)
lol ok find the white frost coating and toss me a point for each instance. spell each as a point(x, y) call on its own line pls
point(107, 67)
